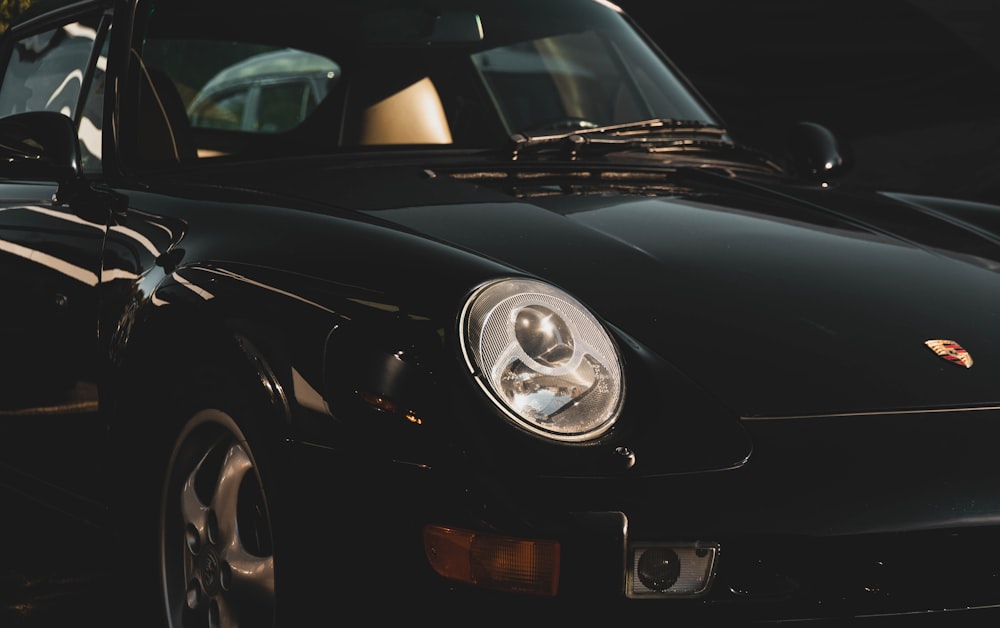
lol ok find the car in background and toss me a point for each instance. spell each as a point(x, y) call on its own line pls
point(493, 320)
point(269, 92)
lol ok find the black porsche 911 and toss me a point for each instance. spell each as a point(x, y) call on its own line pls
point(465, 311)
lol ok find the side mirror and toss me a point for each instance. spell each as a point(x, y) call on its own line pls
point(816, 153)
point(39, 145)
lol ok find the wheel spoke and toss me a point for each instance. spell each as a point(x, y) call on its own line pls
point(252, 576)
point(192, 510)
point(226, 498)
point(194, 515)
point(227, 616)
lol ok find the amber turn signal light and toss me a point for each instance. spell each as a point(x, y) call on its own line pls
point(500, 563)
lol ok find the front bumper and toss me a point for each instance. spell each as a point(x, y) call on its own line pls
point(798, 536)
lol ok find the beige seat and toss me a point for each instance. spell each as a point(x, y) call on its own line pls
point(389, 100)
point(413, 115)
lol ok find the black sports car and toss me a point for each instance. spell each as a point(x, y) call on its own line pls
point(473, 310)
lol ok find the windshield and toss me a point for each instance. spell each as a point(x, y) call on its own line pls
point(346, 75)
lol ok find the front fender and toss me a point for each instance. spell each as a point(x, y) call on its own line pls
point(334, 355)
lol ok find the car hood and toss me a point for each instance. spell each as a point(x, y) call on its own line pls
point(781, 300)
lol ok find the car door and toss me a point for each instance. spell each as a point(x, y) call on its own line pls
point(51, 270)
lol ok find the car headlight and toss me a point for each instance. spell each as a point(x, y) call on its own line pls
point(543, 359)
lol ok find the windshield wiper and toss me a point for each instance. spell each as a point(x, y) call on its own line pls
point(654, 132)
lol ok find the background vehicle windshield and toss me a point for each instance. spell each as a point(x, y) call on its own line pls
point(344, 75)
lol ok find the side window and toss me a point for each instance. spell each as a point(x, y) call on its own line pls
point(225, 111)
point(201, 97)
point(256, 106)
point(282, 106)
point(46, 70)
point(242, 86)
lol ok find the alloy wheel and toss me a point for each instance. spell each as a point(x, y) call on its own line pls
point(216, 546)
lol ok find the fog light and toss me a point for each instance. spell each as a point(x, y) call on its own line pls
point(664, 570)
point(494, 562)
point(659, 568)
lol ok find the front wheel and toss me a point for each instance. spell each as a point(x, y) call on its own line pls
point(216, 544)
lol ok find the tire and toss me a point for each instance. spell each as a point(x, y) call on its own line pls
point(216, 533)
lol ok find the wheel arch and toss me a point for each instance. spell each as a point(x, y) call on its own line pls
point(318, 354)
point(162, 350)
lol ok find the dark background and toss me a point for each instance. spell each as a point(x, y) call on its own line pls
point(913, 86)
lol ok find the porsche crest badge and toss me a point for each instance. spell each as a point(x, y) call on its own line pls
point(951, 351)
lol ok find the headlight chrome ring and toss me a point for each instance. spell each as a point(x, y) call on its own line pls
point(543, 358)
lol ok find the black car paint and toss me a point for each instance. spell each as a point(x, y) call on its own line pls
point(779, 276)
point(753, 278)
point(669, 428)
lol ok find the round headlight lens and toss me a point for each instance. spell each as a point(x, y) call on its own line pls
point(543, 358)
